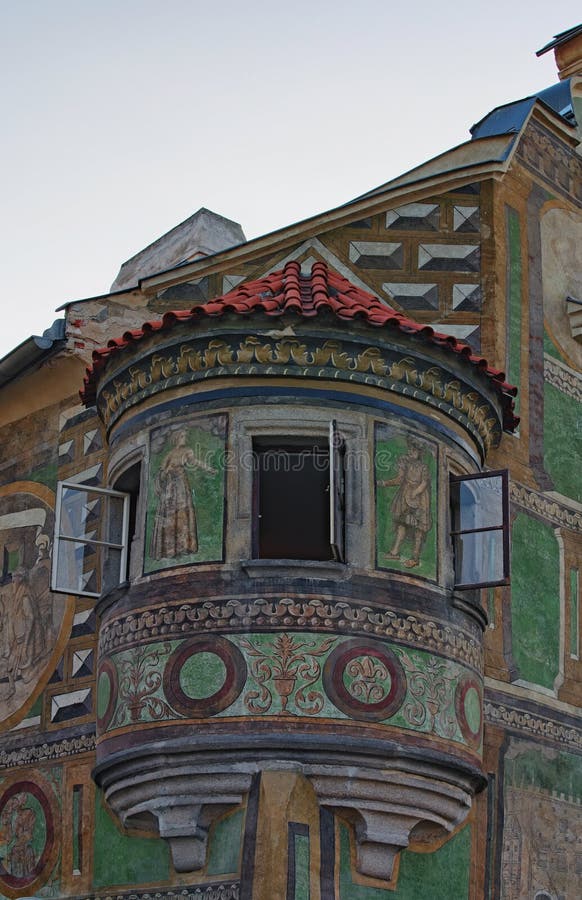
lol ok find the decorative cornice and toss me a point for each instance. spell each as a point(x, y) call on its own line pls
point(224, 890)
point(340, 616)
point(533, 725)
point(47, 752)
point(563, 378)
point(334, 360)
point(546, 507)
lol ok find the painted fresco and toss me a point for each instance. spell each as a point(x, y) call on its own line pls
point(32, 617)
point(185, 519)
point(29, 830)
point(542, 833)
point(405, 467)
point(297, 675)
point(535, 600)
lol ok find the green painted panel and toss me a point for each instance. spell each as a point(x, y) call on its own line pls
point(225, 845)
point(186, 494)
point(120, 859)
point(405, 503)
point(294, 674)
point(563, 417)
point(550, 770)
point(302, 864)
point(535, 600)
point(514, 275)
point(442, 875)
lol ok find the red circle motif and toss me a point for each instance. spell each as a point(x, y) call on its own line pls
point(343, 658)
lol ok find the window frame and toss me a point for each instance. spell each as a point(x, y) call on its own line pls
point(60, 537)
point(503, 527)
point(336, 486)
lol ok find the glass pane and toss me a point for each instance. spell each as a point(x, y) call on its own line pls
point(479, 557)
point(111, 569)
point(78, 568)
point(81, 510)
point(114, 520)
point(477, 503)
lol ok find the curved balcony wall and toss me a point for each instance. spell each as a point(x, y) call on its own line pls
point(218, 661)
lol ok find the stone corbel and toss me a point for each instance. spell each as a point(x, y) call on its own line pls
point(389, 809)
point(179, 807)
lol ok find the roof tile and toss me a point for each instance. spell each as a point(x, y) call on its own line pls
point(289, 292)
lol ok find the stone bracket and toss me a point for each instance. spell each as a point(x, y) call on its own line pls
point(388, 808)
point(180, 806)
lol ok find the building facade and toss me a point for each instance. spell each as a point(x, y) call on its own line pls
point(291, 536)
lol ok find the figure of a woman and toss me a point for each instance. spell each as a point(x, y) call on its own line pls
point(175, 531)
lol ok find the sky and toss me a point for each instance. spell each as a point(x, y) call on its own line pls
point(121, 118)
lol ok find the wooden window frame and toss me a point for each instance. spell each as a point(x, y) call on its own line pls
point(61, 537)
point(503, 527)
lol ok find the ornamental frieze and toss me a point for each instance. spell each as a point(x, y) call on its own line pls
point(546, 507)
point(563, 378)
point(216, 891)
point(538, 725)
point(387, 369)
point(169, 621)
point(47, 751)
point(297, 677)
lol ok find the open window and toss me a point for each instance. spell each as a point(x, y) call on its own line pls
point(91, 539)
point(480, 529)
point(299, 490)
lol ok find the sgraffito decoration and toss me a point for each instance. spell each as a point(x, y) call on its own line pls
point(406, 484)
point(291, 667)
point(386, 368)
point(365, 679)
point(292, 614)
point(204, 676)
point(29, 843)
point(34, 621)
point(469, 708)
point(301, 675)
point(185, 520)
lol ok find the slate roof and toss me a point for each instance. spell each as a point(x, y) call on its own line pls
point(288, 292)
point(509, 118)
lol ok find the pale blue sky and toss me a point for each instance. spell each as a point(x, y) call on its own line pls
point(123, 117)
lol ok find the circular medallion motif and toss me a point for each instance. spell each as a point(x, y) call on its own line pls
point(468, 707)
point(204, 675)
point(106, 694)
point(28, 827)
point(365, 680)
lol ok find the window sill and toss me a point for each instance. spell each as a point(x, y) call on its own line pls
point(295, 568)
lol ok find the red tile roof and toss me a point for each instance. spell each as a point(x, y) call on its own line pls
point(289, 292)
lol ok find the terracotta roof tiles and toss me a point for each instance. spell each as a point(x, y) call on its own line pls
point(289, 292)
